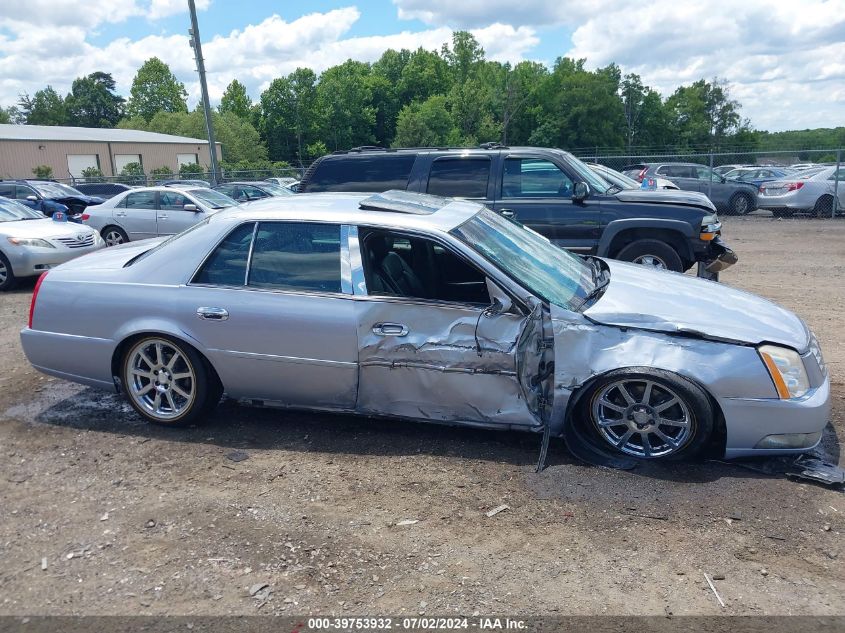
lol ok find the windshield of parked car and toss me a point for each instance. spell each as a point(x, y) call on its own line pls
point(542, 268)
point(213, 199)
point(55, 189)
point(276, 190)
point(615, 178)
point(11, 211)
point(596, 182)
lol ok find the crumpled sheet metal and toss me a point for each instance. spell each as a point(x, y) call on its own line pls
point(815, 469)
point(584, 350)
point(463, 369)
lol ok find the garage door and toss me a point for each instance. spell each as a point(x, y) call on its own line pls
point(122, 160)
point(186, 159)
point(76, 163)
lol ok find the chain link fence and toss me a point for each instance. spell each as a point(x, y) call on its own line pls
point(805, 182)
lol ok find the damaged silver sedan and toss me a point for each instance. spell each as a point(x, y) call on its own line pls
point(422, 308)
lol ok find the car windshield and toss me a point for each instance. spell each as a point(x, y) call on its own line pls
point(55, 189)
point(530, 259)
point(11, 211)
point(213, 199)
point(614, 177)
point(276, 190)
point(595, 181)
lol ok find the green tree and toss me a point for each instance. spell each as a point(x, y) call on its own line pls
point(703, 115)
point(46, 107)
point(236, 100)
point(190, 169)
point(92, 174)
point(132, 174)
point(10, 115)
point(345, 97)
point(156, 89)
point(426, 124)
point(465, 59)
point(92, 101)
point(385, 84)
point(646, 120)
point(424, 75)
point(42, 172)
point(289, 117)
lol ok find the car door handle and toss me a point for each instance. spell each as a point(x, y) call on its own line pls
point(120, 214)
point(508, 213)
point(212, 314)
point(163, 216)
point(390, 329)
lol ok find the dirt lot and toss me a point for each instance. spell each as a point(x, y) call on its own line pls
point(128, 518)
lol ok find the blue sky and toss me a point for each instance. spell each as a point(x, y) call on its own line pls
point(786, 67)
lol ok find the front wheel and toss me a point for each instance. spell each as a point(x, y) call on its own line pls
point(648, 414)
point(652, 253)
point(741, 204)
point(7, 277)
point(114, 235)
point(167, 382)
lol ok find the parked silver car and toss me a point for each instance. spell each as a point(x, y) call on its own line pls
point(626, 182)
point(31, 244)
point(147, 212)
point(430, 309)
point(808, 191)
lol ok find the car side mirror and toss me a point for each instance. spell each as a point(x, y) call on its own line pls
point(32, 198)
point(191, 207)
point(580, 191)
point(501, 302)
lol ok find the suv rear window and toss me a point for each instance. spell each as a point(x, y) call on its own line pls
point(459, 177)
point(366, 173)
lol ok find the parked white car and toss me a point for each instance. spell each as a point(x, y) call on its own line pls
point(150, 212)
point(31, 244)
point(805, 192)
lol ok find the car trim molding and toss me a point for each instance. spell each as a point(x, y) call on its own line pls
point(285, 359)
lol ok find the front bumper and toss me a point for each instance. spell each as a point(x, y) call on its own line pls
point(716, 258)
point(32, 261)
point(749, 421)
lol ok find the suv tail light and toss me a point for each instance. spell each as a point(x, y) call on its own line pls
point(34, 297)
point(794, 186)
point(642, 174)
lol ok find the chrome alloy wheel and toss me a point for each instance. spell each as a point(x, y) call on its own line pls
point(642, 418)
point(113, 238)
point(4, 272)
point(160, 378)
point(651, 260)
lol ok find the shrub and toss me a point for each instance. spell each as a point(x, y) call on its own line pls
point(42, 172)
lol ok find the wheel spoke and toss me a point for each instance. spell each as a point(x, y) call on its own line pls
point(146, 359)
point(180, 391)
point(668, 422)
point(624, 391)
point(670, 441)
point(647, 392)
point(662, 407)
point(157, 402)
point(176, 356)
point(613, 407)
point(170, 402)
point(159, 355)
point(624, 439)
point(145, 389)
point(646, 444)
point(140, 372)
point(182, 376)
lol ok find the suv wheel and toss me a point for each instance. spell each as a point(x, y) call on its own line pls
point(653, 253)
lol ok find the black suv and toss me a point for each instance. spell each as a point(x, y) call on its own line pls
point(548, 190)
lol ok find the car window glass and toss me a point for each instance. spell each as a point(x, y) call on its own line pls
point(226, 266)
point(296, 256)
point(408, 266)
point(23, 192)
point(365, 173)
point(172, 201)
point(534, 178)
point(459, 177)
point(7, 191)
point(664, 170)
point(141, 200)
point(254, 192)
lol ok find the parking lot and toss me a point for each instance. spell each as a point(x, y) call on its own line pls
point(262, 511)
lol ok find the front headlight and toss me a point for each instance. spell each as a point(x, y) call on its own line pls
point(710, 227)
point(787, 371)
point(30, 241)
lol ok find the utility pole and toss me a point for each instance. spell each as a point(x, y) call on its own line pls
point(194, 32)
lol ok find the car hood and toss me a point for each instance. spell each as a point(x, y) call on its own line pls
point(43, 228)
point(666, 196)
point(89, 200)
point(672, 302)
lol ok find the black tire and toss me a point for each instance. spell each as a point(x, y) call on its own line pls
point(639, 251)
point(114, 235)
point(7, 276)
point(206, 387)
point(741, 204)
point(823, 207)
point(697, 408)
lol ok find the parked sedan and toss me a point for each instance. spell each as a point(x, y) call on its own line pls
point(31, 243)
point(808, 191)
point(148, 212)
point(424, 308)
point(757, 175)
point(104, 190)
point(248, 191)
point(48, 196)
point(285, 181)
point(737, 198)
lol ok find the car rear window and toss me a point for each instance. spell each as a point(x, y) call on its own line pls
point(226, 266)
point(459, 177)
point(365, 173)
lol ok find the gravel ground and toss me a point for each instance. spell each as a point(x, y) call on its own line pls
point(265, 512)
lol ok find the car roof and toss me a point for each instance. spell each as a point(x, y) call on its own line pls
point(255, 183)
point(394, 209)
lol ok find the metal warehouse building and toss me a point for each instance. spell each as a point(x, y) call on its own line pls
point(69, 150)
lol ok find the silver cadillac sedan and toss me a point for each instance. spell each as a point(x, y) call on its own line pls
point(31, 243)
point(423, 308)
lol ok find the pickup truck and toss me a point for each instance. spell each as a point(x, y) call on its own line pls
point(548, 190)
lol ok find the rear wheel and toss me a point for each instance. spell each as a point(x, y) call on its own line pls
point(741, 204)
point(168, 382)
point(652, 253)
point(823, 207)
point(7, 277)
point(648, 414)
point(114, 235)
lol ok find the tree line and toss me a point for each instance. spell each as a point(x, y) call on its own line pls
point(451, 97)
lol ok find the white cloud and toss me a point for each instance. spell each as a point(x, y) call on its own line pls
point(165, 8)
point(478, 13)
